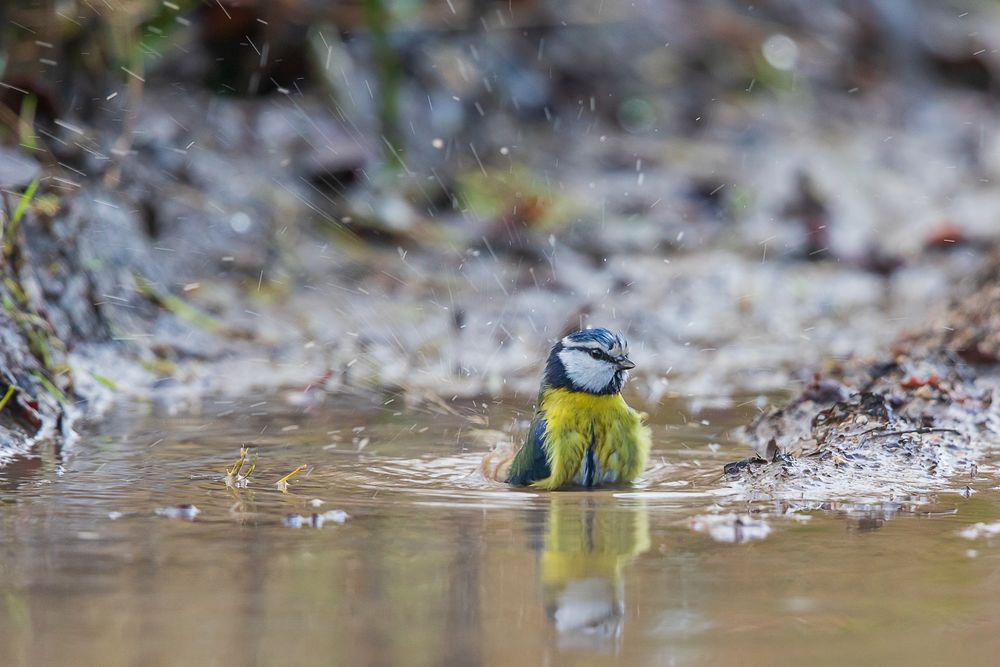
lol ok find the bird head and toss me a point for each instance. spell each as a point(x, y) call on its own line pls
point(594, 361)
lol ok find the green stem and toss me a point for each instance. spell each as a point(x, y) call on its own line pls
point(389, 73)
point(6, 397)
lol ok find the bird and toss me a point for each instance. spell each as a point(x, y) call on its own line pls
point(583, 433)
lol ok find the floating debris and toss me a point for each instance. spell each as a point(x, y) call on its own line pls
point(282, 483)
point(980, 529)
point(186, 511)
point(235, 477)
point(335, 516)
point(315, 520)
point(733, 528)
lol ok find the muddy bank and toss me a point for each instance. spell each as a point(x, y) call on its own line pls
point(925, 417)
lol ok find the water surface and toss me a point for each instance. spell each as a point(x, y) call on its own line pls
point(435, 565)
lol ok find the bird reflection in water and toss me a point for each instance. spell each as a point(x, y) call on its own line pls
point(587, 541)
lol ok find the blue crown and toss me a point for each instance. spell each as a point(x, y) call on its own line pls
point(602, 336)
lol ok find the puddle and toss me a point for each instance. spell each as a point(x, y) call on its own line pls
point(389, 549)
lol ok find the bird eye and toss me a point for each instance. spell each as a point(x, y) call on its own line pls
point(596, 354)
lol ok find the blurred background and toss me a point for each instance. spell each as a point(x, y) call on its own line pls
point(423, 194)
point(345, 234)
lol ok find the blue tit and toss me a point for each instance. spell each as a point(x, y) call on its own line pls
point(583, 433)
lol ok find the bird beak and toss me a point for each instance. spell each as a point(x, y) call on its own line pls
point(624, 363)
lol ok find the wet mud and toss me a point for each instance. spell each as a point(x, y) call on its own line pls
point(907, 423)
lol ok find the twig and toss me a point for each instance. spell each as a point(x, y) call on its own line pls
point(886, 434)
point(123, 144)
point(282, 483)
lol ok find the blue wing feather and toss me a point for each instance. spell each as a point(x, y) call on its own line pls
point(531, 462)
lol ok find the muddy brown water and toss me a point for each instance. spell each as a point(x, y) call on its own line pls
point(436, 566)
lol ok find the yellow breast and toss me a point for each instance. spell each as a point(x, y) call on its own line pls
point(576, 422)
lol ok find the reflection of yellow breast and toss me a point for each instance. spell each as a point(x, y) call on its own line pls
point(591, 539)
point(575, 422)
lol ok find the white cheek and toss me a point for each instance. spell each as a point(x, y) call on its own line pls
point(585, 371)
